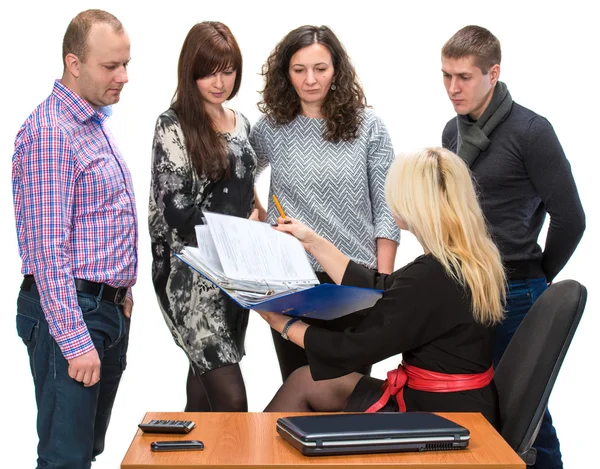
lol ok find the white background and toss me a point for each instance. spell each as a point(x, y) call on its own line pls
point(550, 65)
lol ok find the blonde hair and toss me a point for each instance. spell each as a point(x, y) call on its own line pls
point(432, 191)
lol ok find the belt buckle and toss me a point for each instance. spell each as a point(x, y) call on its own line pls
point(120, 296)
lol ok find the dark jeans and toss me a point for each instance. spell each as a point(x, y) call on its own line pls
point(72, 419)
point(521, 295)
point(291, 356)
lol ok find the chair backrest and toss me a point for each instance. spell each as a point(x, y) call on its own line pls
point(529, 367)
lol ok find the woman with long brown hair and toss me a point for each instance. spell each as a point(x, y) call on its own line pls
point(202, 160)
point(329, 154)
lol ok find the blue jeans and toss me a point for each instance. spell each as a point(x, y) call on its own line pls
point(520, 297)
point(72, 419)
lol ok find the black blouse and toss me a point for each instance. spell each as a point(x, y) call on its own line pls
point(423, 314)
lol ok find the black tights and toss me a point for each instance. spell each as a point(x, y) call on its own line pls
point(300, 393)
point(219, 390)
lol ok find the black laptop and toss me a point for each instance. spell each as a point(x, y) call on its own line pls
point(315, 435)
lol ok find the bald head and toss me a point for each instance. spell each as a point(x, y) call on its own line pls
point(76, 37)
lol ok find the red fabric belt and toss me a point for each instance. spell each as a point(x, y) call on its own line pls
point(425, 380)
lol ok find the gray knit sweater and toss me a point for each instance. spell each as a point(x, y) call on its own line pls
point(335, 188)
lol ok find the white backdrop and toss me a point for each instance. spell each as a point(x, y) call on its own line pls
point(550, 62)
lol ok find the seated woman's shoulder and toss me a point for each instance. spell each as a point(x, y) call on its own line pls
point(427, 267)
point(429, 280)
point(425, 262)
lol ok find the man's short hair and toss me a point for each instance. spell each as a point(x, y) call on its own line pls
point(75, 40)
point(477, 42)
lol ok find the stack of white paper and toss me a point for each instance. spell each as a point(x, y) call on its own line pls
point(248, 259)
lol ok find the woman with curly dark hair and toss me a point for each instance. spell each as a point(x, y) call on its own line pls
point(329, 155)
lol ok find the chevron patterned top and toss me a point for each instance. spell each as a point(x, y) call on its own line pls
point(335, 188)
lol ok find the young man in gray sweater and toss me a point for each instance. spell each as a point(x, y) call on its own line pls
point(522, 174)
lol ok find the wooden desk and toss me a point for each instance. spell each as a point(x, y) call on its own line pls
point(243, 440)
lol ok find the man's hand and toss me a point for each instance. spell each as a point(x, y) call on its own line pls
point(128, 307)
point(85, 368)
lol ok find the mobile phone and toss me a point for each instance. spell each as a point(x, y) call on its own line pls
point(177, 445)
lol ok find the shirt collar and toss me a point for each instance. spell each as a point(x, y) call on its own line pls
point(79, 107)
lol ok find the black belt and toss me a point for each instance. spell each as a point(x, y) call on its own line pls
point(112, 294)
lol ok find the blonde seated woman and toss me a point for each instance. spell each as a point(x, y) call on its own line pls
point(439, 311)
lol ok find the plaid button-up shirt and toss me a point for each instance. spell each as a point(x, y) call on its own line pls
point(74, 208)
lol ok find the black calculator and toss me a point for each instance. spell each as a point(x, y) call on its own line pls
point(167, 426)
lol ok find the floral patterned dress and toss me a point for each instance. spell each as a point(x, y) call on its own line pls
point(204, 322)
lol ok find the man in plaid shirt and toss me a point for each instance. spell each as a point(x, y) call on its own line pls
point(77, 232)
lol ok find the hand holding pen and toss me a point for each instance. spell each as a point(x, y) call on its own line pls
point(282, 214)
point(331, 258)
point(294, 227)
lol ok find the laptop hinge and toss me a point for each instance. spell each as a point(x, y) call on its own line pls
point(319, 443)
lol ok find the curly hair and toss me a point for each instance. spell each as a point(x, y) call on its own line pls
point(342, 106)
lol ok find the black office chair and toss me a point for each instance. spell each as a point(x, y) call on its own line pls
point(529, 367)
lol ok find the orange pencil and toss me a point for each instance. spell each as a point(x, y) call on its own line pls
point(278, 205)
